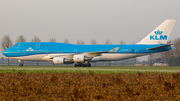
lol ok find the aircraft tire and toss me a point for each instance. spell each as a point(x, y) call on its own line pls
point(75, 65)
point(20, 64)
point(89, 65)
point(84, 65)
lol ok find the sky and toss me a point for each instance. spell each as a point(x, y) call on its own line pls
point(115, 20)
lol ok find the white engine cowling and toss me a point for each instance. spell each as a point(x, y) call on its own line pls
point(78, 58)
point(58, 60)
point(61, 60)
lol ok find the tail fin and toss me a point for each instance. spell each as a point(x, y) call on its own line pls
point(160, 35)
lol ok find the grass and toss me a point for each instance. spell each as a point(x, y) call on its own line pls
point(104, 70)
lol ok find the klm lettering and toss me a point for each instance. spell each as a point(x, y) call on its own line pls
point(158, 37)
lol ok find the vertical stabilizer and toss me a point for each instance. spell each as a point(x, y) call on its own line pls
point(160, 35)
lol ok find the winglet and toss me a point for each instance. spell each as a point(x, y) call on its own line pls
point(114, 49)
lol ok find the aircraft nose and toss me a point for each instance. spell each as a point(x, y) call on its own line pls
point(4, 52)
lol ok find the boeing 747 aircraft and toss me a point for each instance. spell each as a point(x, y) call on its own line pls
point(82, 55)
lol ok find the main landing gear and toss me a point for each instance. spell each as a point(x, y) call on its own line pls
point(82, 65)
point(20, 63)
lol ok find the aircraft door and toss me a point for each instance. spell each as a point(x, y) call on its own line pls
point(46, 51)
point(75, 50)
point(38, 45)
point(136, 51)
point(23, 52)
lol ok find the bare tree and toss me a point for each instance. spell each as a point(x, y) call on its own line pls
point(107, 42)
point(121, 42)
point(20, 38)
point(35, 39)
point(80, 42)
point(176, 44)
point(52, 39)
point(93, 42)
point(133, 42)
point(6, 43)
point(152, 58)
point(165, 56)
point(66, 41)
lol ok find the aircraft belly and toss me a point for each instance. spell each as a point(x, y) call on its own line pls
point(30, 58)
point(113, 57)
point(103, 57)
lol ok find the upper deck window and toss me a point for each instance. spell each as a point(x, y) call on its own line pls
point(29, 45)
point(45, 45)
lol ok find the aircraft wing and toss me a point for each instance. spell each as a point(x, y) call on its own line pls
point(67, 56)
point(93, 54)
point(88, 54)
point(159, 47)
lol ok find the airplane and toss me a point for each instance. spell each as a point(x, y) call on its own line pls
point(82, 55)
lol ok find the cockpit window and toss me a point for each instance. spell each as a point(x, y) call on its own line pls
point(15, 45)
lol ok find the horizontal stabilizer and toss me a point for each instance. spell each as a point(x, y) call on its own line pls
point(159, 47)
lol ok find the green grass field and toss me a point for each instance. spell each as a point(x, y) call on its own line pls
point(105, 70)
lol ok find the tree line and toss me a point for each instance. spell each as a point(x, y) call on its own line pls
point(7, 42)
point(171, 57)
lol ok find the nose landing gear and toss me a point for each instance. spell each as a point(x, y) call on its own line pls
point(20, 63)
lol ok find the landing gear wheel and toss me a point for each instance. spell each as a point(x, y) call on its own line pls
point(84, 65)
point(75, 65)
point(79, 65)
point(89, 65)
point(20, 64)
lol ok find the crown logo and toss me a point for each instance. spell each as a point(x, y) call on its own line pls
point(158, 32)
point(29, 49)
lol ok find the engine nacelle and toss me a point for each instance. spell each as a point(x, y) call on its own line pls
point(61, 60)
point(80, 58)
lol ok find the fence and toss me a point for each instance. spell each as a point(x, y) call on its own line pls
point(13, 62)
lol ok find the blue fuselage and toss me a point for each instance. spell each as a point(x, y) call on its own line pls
point(34, 48)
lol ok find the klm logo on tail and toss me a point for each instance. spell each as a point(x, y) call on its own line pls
point(158, 36)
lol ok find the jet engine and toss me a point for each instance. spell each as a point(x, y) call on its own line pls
point(80, 58)
point(61, 60)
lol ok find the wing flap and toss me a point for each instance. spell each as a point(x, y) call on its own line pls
point(93, 54)
point(88, 54)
